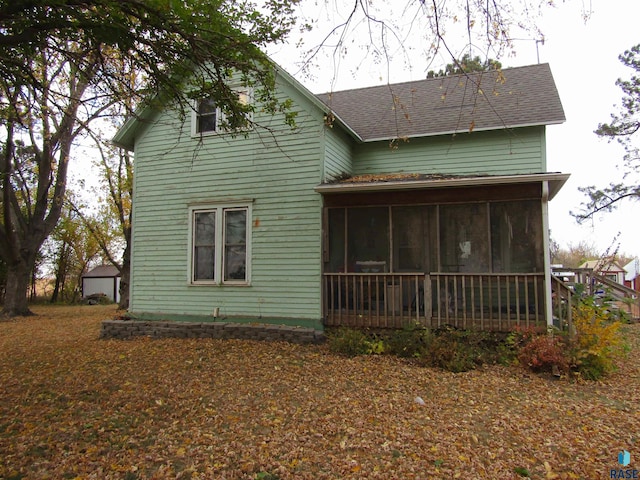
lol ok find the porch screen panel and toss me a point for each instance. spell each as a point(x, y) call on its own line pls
point(368, 239)
point(204, 245)
point(516, 237)
point(337, 240)
point(414, 238)
point(464, 238)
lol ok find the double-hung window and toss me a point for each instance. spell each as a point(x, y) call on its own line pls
point(220, 240)
point(208, 118)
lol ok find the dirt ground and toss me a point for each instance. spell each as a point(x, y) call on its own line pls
point(75, 406)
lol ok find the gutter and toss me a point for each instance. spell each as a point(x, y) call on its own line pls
point(466, 130)
point(554, 182)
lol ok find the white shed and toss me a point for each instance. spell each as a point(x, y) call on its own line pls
point(102, 279)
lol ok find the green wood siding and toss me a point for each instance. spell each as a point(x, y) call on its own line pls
point(275, 170)
point(508, 152)
point(338, 154)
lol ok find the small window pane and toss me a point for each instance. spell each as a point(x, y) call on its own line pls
point(204, 263)
point(206, 106)
point(236, 226)
point(235, 250)
point(235, 262)
point(204, 245)
point(205, 228)
point(207, 116)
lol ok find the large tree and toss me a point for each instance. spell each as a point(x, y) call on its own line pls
point(623, 128)
point(63, 63)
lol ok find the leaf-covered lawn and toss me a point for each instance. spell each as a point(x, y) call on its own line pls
point(74, 406)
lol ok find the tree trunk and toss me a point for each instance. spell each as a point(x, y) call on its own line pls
point(125, 273)
point(15, 300)
point(61, 273)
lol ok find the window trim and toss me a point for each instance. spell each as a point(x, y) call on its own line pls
point(219, 243)
point(195, 115)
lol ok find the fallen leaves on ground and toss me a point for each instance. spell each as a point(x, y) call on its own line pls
point(74, 406)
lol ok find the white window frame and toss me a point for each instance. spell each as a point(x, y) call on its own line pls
point(219, 243)
point(247, 93)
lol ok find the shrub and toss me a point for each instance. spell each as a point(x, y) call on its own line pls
point(544, 352)
point(352, 342)
point(412, 341)
point(462, 350)
point(598, 342)
point(592, 349)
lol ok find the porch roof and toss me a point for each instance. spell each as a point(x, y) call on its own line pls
point(419, 181)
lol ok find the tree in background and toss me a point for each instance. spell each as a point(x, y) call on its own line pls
point(58, 75)
point(622, 128)
point(72, 249)
point(110, 224)
point(575, 254)
point(466, 65)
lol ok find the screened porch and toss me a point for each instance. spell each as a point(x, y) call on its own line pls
point(473, 264)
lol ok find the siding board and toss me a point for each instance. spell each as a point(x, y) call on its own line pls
point(508, 152)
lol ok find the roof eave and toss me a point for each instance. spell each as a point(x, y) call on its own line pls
point(458, 132)
point(556, 181)
point(323, 107)
point(126, 135)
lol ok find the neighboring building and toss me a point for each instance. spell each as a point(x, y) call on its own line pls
point(607, 269)
point(422, 201)
point(632, 274)
point(103, 279)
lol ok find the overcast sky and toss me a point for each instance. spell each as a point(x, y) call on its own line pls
point(584, 61)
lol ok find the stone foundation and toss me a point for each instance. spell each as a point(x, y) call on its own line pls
point(127, 329)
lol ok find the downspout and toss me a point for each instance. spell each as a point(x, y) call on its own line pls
point(547, 254)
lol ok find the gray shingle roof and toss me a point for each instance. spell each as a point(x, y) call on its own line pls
point(514, 97)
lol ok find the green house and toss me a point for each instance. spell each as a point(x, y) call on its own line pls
point(423, 201)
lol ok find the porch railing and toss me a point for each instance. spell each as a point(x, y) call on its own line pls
point(593, 283)
point(376, 300)
point(487, 301)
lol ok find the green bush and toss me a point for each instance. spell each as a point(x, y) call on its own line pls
point(413, 341)
point(352, 342)
point(598, 342)
point(459, 350)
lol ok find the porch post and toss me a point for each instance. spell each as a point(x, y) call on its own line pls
point(547, 254)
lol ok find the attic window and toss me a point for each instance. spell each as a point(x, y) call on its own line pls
point(209, 118)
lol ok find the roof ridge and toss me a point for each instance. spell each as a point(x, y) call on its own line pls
point(440, 78)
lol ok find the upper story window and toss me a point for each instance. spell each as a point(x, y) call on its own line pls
point(208, 117)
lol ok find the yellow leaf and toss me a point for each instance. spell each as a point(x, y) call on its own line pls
point(550, 475)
